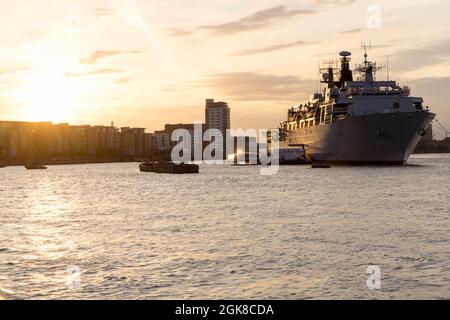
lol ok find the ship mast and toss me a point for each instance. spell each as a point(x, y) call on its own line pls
point(368, 69)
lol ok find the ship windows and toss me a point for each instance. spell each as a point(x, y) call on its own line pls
point(418, 105)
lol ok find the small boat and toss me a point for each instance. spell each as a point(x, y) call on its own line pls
point(169, 167)
point(146, 167)
point(35, 166)
point(294, 155)
point(244, 159)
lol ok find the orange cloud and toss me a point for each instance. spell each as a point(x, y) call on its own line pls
point(100, 54)
point(122, 81)
point(92, 73)
point(272, 48)
point(257, 20)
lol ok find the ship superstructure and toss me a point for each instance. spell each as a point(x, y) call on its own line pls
point(358, 120)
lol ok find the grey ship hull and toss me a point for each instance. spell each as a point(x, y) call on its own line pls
point(388, 138)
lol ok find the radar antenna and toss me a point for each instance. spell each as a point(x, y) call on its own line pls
point(328, 70)
point(364, 48)
point(387, 67)
point(368, 69)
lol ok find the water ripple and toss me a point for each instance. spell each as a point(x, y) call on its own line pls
point(226, 233)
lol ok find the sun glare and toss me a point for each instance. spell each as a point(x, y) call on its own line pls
point(47, 97)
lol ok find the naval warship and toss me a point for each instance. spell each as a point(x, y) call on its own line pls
point(357, 121)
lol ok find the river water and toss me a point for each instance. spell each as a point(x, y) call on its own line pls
point(108, 231)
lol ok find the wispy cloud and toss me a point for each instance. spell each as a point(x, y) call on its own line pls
point(122, 81)
point(335, 2)
point(97, 55)
point(254, 86)
point(272, 48)
point(93, 73)
point(351, 31)
point(260, 19)
point(429, 54)
point(103, 12)
point(14, 70)
point(132, 13)
point(435, 92)
point(176, 32)
point(257, 20)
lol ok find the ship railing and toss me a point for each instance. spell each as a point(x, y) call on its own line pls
point(375, 92)
point(329, 114)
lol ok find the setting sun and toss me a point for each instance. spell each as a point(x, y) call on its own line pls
point(47, 97)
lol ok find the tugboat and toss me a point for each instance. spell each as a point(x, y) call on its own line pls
point(169, 167)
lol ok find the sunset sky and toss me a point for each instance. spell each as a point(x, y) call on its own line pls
point(147, 63)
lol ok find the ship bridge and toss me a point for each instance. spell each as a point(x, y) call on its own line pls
point(375, 88)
